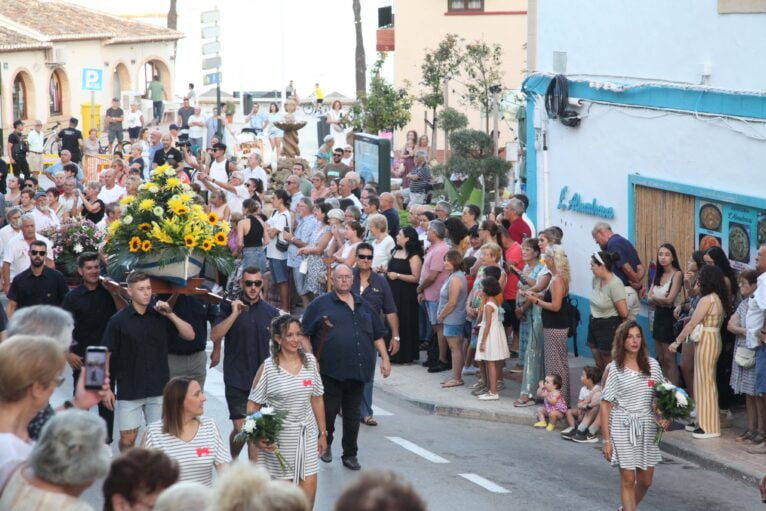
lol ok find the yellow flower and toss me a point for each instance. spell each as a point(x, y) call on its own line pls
point(159, 234)
point(145, 227)
point(172, 182)
point(197, 208)
point(212, 218)
point(185, 197)
point(221, 238)
point(135, 244)
point(175, 203)
point(146, 205)
point(127, 200)
point(114, 226)
point(207, 245)
point(190, 241)
point(181, 210)
point(146, 246)
point(225, 227)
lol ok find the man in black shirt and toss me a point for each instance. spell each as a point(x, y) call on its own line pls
point(37, 285)
point(189, 358)
point(91, 305)
point(167, 151)
point(114, 118)
point(17, 149)
point(71, 140)
point(137, 339)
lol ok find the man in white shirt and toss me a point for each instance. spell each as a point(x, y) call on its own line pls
point(196, 128)
point(113, 212)
point(235, 191)
point(12, 228)
point(36, 141)
point(217, 171)
point(293, 187)
point(16, 252)
point(45, 218)
point(255, 171)
point(135, 120)
point(111, 192)
point(345, 189)
point(69, 199)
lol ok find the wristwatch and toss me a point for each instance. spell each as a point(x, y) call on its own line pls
point(397, 338)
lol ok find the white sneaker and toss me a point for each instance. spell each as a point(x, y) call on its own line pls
point(570, 428)
point(489, 397)
point(703, 436)
point(468, 371)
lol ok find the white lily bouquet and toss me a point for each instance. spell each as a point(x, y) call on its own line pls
point(672, 403)
point(265, 424)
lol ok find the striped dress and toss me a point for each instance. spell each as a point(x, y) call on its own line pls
point(196, 458)
point(632, 426)
point(706, 354)
point(298, 439)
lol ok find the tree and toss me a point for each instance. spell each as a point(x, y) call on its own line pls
point(483, 68)
point(385, 107)
point(472, 155)
point(361, 61)
point(173, 15)
point(439, 65)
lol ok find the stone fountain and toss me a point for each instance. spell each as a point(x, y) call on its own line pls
point(290, 126)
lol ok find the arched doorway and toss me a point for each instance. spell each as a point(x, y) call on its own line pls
point(120, 81)
point(22, 96)
point(150, 69)
point(58, 94)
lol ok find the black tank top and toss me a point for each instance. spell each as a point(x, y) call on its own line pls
point(254, 237)
point(558, 319)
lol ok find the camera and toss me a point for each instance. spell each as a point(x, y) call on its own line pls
point(183, 141)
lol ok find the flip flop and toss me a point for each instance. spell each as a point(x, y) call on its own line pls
point(519, 403)
point(369, 421)
point(452, 383)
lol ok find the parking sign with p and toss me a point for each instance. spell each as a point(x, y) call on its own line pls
point(92, 79)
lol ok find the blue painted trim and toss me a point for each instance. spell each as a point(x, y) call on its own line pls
point(697, 191)
point(532, 164)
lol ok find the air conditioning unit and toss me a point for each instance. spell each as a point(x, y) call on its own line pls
point(55, 56)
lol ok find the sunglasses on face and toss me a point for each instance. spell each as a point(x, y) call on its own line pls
point(251, 283)
point(37, 252)
point(365, 257)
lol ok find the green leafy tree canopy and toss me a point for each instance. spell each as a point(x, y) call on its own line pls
point(384, 107)
point(483, 69)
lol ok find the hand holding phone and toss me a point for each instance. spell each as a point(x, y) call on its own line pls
point(95, 367)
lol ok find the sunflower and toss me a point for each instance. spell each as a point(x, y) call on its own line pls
point(145, 227)
point(190, 241)
point(207, 245)
point(221, 238)
point(127, 200)
point(212, 218)
point(135, 244)
point(174, 203)
point(181, 210)
point(146, 246)
point(146, 205)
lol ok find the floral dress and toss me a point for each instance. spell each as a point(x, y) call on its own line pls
point(531, 337)
point(315, 275)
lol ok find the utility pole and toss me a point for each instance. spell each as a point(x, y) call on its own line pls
point(495, 137)
point(446, 105)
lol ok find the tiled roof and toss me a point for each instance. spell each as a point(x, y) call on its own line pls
point(60, 21)
point(10, 40)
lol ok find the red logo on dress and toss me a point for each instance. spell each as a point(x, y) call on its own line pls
point(307, 383)
point(203, 451)
point(650, 383)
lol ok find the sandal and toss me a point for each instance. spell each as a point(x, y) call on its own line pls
point(452, 383)
point(745, 436)
point(756, 439)
point(369, 421)
point(523, 402)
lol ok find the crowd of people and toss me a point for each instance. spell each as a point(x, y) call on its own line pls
point(334, 277)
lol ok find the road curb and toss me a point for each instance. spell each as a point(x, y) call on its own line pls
point(703, 459)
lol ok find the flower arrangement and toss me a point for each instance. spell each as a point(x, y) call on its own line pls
point(671, 403)
point(70, 239)
point(264, 424)
point(163, 221)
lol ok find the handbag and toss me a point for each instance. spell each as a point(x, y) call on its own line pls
point(281, 244)
point(696, 333)
point(744, 357)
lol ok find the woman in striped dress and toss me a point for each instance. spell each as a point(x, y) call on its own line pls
point(185, 435)
point(627, 413)
point(289, 382)
point(709, 312)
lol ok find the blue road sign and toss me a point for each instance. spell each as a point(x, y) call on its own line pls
point(92, 79)
point(212, 79)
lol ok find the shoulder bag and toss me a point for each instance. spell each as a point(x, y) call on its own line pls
point(281, 244)
point(744, 357)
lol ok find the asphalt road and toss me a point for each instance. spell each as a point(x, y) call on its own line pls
point(459, 464)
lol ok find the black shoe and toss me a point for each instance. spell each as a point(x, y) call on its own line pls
point(430, 363)
point(439, 367)
point(327, 456)
point(569, 435)
point(351, 463)
point(585, 437)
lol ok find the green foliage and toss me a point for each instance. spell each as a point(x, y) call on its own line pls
point(483, 68)
point(443, 62)
point(384, 107)
point(230, 108)
point(451, 120)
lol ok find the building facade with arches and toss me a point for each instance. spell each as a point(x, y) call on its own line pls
point(46, 44)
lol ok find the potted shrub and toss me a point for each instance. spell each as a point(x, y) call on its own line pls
point(229, 110)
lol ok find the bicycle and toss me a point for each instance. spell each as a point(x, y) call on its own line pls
point(103, 145)
point(51, 143)
point(314, 108)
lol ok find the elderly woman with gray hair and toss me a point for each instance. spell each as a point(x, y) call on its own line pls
point(67, 459)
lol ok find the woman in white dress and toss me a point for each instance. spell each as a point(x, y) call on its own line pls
point(335, 118)
point(289, 382)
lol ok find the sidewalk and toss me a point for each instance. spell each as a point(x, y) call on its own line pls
point(414, 384)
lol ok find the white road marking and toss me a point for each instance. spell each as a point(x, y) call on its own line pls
point(485, 483)
point(380, 412)
point(423, 453)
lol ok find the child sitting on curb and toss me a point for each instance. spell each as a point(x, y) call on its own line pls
point(587, 409)
point(554, 405)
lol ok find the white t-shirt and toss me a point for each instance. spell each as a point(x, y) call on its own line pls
point(17, 253)
point(235, 200)
point(256, 173)
point(356, 201)
point(43, 221)
point(6, 233)
point(381, 253)
point(13, 450)
point(279, 220)
point(135, 119)
point(196, 131)
point(115, 194)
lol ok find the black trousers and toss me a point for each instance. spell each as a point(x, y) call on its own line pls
point(103, 412)
point(345, 395)
point(21, 167)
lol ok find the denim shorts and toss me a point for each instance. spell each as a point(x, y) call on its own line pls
point(453, 330)
point(432, 307)
point(278, 270)
point(760, 369)
point(254, 256)
point(129, 414)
